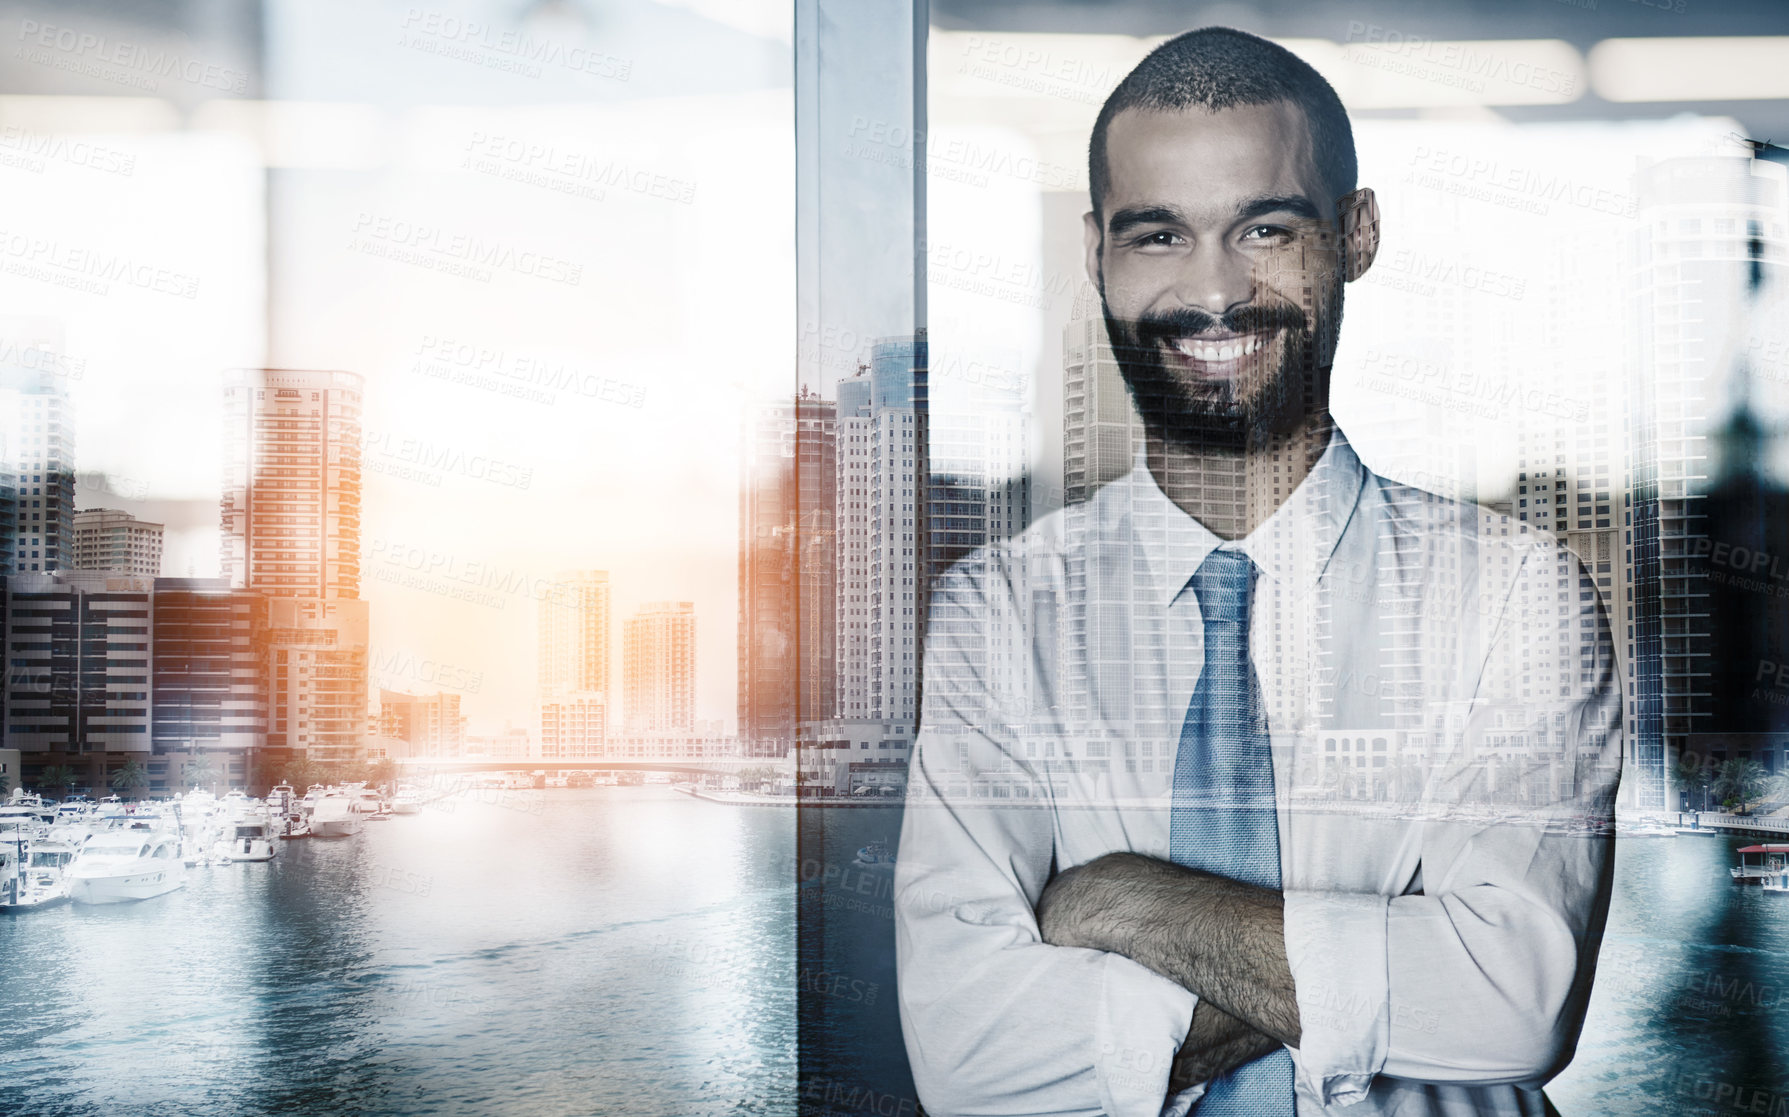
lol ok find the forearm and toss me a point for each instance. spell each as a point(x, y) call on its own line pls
point(1220, 939)
point(1216, 1044)
point(997, 1022)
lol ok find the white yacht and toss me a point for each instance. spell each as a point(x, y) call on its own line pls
point(249, 838)
point(21, 829)
point(281, 798)
point(406, 801)
point(372, 807)
point(42, 881)
point(127, 864)
point(335, 816)
point(25, 816)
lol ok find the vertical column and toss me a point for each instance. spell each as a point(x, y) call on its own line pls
point(860, 126)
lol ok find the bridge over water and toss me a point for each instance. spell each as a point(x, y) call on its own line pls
point(414, 766)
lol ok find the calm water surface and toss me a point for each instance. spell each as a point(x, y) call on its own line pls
point(616, 950)
point(1690, 1014)
point(633, 951)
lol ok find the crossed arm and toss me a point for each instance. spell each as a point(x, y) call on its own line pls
point(1218, 938)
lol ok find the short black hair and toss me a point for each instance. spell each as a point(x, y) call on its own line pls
point(1217, 68)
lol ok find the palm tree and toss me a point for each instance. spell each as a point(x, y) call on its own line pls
point(60, 776)
point(5, 783)
point(200, 770)
point(1694, 775)
point(382, 772)
point(1741, 779)
point(131, 777)
point(302, 773)
point(753, 778)
point(1776, 787)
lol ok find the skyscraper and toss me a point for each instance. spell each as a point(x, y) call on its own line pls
point(291, 505)
point(573, 664)
point(78, 675)
point(37, 466)
point(110, 540)
point(1700, 221)
point(881, 559)
point(291, 531)
point(659, 668)
point(917, 494)
point(786, 572)
point(429, 725)
point(1100, 428)
point(209, 676)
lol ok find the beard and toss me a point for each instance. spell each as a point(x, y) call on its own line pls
point(1276, 388)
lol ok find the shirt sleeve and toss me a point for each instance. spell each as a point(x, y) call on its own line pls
point(1482, 976)
point(997, 1021)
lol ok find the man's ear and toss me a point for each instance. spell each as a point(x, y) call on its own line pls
point(1092, 240)
point(1359, 214)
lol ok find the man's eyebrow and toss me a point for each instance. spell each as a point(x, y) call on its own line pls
point(1124, 220)
point(1130, 217)
point(1295, 204)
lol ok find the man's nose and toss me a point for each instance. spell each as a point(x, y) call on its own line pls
point(1216, 278)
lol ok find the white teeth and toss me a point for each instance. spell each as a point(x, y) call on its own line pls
point(1206, 351)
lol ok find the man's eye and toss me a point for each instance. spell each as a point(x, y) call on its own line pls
point(1160, 239)
point(1266, 232)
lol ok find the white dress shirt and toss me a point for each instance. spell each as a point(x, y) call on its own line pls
point(1444, 714)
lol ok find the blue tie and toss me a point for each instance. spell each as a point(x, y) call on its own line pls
point(1224, 820)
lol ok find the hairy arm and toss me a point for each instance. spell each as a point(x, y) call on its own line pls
point(1221, 939)
point(1217, 1043)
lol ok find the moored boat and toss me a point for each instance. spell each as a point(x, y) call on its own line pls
point(249, 839)
point(42, 881)
point(335, 816)
point(127, 864)
point(876, 855)
point(1756, 863)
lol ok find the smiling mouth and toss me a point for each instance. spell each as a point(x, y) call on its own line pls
point(1217, 349)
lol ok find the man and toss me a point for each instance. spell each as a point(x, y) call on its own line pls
point(1258, 783)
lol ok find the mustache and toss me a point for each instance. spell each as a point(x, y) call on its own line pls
point(1187, 321)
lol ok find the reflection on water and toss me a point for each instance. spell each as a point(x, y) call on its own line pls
point(630, 950)
point(1688, 1013)
point(616, 950)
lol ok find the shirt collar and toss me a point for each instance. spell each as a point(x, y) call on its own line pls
point(1291, 547)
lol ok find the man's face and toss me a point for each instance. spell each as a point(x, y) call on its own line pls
point(1218, 267)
